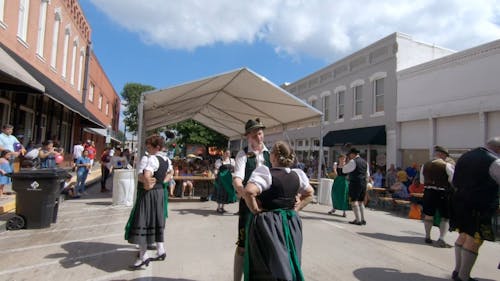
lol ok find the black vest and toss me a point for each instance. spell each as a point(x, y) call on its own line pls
point(357, 178)
point(281, 194)
point(472, 179)
point(252, 163)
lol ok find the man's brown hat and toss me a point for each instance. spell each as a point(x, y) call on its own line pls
point(253, 124)
point(438, 148)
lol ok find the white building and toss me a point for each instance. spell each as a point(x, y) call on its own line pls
point(453, 101)
point(358, 95)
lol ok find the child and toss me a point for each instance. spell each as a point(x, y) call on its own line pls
point(69, 187)
point(5, 169)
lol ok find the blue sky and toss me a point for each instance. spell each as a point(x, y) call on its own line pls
point(163, 43)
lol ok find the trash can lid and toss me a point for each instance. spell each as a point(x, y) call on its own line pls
point(40, 173)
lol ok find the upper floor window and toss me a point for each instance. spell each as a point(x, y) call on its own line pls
point(55, 38)
point(73, 61)
point(313, 101)
point(99, 102)
point(378, 86)
point(107, 108)
point(80, 69)
point(91, 92)
point(42, 22)
point(67, 33)
point(358, 100)
point(326, 106)
point(2, 5)
point(340, 104)
point(22, 28)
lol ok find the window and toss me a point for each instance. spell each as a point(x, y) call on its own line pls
point(358, 100)
point(65, 52)
point(107, 108)
point(42, 22)
point(300, 143)
point(314, 103)
point(99, 102)
point(55, 39)
point(22, 28)
point(2, 5)
point(326, 107)
point(91, 92)
point(340, 104)
point(315, 142)
point(80, 69)
point(378, 95)
point(73, 62)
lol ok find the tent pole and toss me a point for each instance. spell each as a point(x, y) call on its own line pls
point(320, 152)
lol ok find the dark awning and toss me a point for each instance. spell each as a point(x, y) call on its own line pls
point(53, 91)
point(16, 77)
point(359, 136)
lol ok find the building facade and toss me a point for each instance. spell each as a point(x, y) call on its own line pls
point(49, 72)
point(453, 102)
point(358, 97)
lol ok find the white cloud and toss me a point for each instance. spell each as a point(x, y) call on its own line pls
point(318, 28)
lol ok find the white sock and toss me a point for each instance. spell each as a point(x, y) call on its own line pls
point(428, 226)
point(355, 209)
point(362, 211)
point(443, 228)
point(160, 248)
point(143, 252)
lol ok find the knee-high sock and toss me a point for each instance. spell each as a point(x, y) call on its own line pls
point(143, 248)
point(362, 211)
point(444, 225)
point(238, 265)
point(428, 226)
point(458, 257)
point(160, 248)
point(468, 260)
point(355, 209)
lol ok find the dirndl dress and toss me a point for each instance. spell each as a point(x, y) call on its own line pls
point(340, 192)
point(224, 190)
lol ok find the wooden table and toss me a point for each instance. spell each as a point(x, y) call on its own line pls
point(207, 182)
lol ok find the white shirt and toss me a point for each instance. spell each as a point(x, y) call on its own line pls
point(351, 166)
point(151, 163)
point(241, 162)
point(220, 162)
point(7, 141)
point(262, 178)
point(77, 151)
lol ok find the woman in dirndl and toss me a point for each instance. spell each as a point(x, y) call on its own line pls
point(146, 224)
point(340, 188)
point(224, 190)
point(273, 243)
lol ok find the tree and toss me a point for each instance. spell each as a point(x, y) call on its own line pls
point(131, 96)
point(192, 132)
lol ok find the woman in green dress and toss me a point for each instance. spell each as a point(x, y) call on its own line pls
point(340, 188)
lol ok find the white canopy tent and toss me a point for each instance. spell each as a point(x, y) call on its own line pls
point(224, 103)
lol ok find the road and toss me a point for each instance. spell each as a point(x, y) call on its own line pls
point(87, 243)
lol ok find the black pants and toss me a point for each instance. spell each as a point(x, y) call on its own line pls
point(104, 176)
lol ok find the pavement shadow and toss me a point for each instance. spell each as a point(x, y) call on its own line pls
point(395, 238)
point(104, 256)
point(159, 279)
point(99, 203)
point(391, 274)
point(199, 212)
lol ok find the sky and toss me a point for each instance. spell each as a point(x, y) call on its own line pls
point(164, 43)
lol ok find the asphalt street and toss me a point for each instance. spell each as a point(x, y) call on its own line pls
point(86, 243)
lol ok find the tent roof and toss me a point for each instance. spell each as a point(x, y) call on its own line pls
point(225, 102)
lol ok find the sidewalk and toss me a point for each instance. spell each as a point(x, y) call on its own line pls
point(8, 203)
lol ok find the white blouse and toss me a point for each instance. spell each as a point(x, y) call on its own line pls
point(262, 178)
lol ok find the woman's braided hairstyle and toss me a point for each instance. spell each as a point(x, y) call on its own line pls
point(284, 154)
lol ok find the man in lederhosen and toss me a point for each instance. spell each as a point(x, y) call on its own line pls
point(436, 175)
point(475, 203)
point(254, 155)
point(357, 168)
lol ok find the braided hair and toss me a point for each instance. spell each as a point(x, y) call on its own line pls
point(284, 154)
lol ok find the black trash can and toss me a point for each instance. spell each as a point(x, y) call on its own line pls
point(36, 195)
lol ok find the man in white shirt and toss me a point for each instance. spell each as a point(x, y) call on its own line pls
point(357, 168)
point(77, 151)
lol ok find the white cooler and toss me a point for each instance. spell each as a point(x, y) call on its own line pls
point(324, 191)
point(123, 186)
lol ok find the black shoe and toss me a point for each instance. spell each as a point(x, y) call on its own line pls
point(428, 241)
point(160, 257)
point(222, 211)
point(363, 222)
point(355, 222)
point(139, 263)
point(454, 275)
